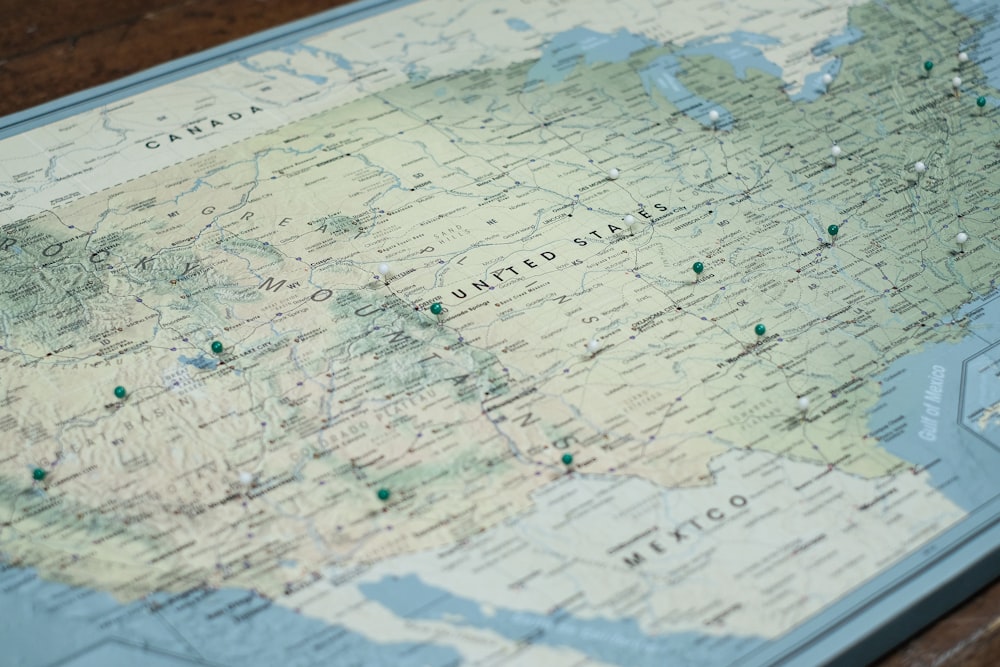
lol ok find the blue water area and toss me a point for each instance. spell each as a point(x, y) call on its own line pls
point(341, 61)
point(737, 51)
point(44, 622)
point(618, 642)
point(415, 73)
point(661, 74)
point(813, 86)
point(304, 47)
point(566, 49)
point(745, 37)
point(318, 80)
point(518, 25)
point(984, 47)
point(932, 404)
point(849, 36)
point(201, 361)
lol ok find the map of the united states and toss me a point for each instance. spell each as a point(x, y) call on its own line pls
point(487, 190)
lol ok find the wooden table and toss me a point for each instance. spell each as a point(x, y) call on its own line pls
point(50, 48)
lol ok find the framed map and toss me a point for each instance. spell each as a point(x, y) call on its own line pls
point(426, 333)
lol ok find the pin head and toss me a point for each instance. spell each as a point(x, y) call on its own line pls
point(963, 57)
point(803, 404)
point(833, 230)
point(760, 329)
point(120, 392)
point(246, 478)
point(437, 308)
point(698, 267)
point(827, 79)
point(216, 347)
point(961, 238)
point(613, 173)
point(383, 494)
point(835, 150)
point(383, 269)
point(956, 82)
point(928, 65)
point(593, 345)
point(920, 167)
point(980, 102)
point(567, 459)
point(38, 474)
point(629, 219)
point(713, 116)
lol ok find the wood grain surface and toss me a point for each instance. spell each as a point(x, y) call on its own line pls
point(51, 48)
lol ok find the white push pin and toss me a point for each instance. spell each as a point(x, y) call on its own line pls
point(633, 224)
point(803, 405)
point(956, 84)
point(835, 152)
point(961, 239)
point(827, 80)
point(593, 346)
point(384, 270)
point(713, 118)
point(246, 478)
point(920, 168)
point(963, 57)
point(612, 173)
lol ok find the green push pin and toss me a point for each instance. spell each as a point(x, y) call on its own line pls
point(928, 66)
point(120, 392)
point(698, 267)
point(567, 459)
point(980, 102)
point(833, 230)
point(217, 347)
point(436, 310)
point(760, 329)
point(38, 474)
point(383, 494)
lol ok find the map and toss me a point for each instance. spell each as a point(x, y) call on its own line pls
point(380, 340)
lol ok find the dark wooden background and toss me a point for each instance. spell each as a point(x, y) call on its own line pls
point(50, 48)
